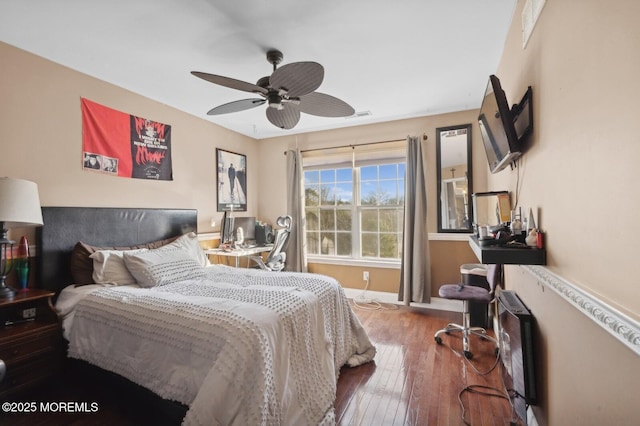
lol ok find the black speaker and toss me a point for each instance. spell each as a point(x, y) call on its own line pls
point(264, 234)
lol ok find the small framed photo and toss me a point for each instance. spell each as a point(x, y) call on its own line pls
point(231, 181)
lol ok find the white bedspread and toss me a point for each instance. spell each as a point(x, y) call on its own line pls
point(240, 347)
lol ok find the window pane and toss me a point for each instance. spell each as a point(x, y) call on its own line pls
point(369, 245)
point(328, 176)
point(327, 220)
point(312, 176)
point(344, 220)
point(311, 195)
point(313, 224)
point(388, 221)
point(401, 192)
point(345, 175)
point(369, 193)
point(369, 221)
point(401, 170)
point(313, 242)
point(327, 194)
point(344, 244)
point(388, 192)
point(388, 245)
point(388, 171)
point(327, 245)
point(369, 173)
point(344, 193)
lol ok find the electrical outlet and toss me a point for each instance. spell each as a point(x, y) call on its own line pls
point(365, 275)
point(29, 313)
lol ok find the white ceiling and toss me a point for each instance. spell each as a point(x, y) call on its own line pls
point(400, 59)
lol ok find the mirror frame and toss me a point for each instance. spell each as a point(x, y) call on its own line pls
point(439, 141)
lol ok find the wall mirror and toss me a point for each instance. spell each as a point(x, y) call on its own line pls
point(453, 156)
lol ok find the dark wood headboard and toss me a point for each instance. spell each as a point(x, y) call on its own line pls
point(99, 226)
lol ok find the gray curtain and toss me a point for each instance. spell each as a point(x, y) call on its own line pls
point(296, 253)
point(415, 276)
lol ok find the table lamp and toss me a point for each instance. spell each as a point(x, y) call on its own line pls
point(19, 207)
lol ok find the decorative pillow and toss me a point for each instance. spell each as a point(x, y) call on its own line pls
point(189, 243)
point(109, 267)
point(162, 266)
point(82, 265)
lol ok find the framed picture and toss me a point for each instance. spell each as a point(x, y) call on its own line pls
point(231, 181)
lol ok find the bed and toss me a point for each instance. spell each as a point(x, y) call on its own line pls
point(234, 346)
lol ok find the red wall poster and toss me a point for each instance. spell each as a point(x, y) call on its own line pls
point(121, 144)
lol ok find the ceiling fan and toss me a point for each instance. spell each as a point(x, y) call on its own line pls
point(289, 90)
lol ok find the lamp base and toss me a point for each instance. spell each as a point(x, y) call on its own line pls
point(6, 292)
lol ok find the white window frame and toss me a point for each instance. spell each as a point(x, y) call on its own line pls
point(355, 259)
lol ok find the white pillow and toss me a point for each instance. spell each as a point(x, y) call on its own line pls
point(109, 267)
point(189, 243)
point(162, 266)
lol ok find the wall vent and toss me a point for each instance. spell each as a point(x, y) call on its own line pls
point(360, 114)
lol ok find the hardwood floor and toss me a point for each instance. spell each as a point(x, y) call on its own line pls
point(413, 381)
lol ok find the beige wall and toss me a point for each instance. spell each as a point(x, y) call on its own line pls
point(446, 258)
point(581, 172)
point(41, 140)
point(380, 279)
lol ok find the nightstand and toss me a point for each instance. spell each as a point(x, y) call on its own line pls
point(31, 343)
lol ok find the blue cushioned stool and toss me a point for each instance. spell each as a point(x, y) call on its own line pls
point(467, 294)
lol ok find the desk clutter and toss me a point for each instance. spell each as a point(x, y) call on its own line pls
point(245, 232)
point(501, 235)
point(513, 230)
point(245, 236)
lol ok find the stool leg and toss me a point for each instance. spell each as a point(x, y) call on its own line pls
point(466, 321)
point(466, 330)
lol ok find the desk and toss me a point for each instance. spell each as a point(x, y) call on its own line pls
point(238, 253)
point(507, 255)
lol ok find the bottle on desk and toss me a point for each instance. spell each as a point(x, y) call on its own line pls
point(516, 224)
point(540, 240)
point(532, 238)
point(239, 236)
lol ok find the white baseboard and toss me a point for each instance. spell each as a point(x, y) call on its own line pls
point(437, 303)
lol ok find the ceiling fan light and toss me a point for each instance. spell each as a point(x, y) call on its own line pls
point(275, 101)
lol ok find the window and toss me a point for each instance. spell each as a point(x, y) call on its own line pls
point(354, 209)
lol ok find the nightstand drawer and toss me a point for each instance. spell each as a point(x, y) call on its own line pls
point(45, 339)
point(32, 350)
point(24, 375)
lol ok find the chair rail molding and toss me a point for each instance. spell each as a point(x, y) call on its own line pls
point(619, 325)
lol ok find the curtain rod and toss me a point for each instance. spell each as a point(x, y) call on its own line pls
point(424, 137)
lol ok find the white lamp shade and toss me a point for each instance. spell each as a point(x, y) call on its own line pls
point(19, 203)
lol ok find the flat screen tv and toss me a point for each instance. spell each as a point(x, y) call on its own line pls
point(497, 128)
